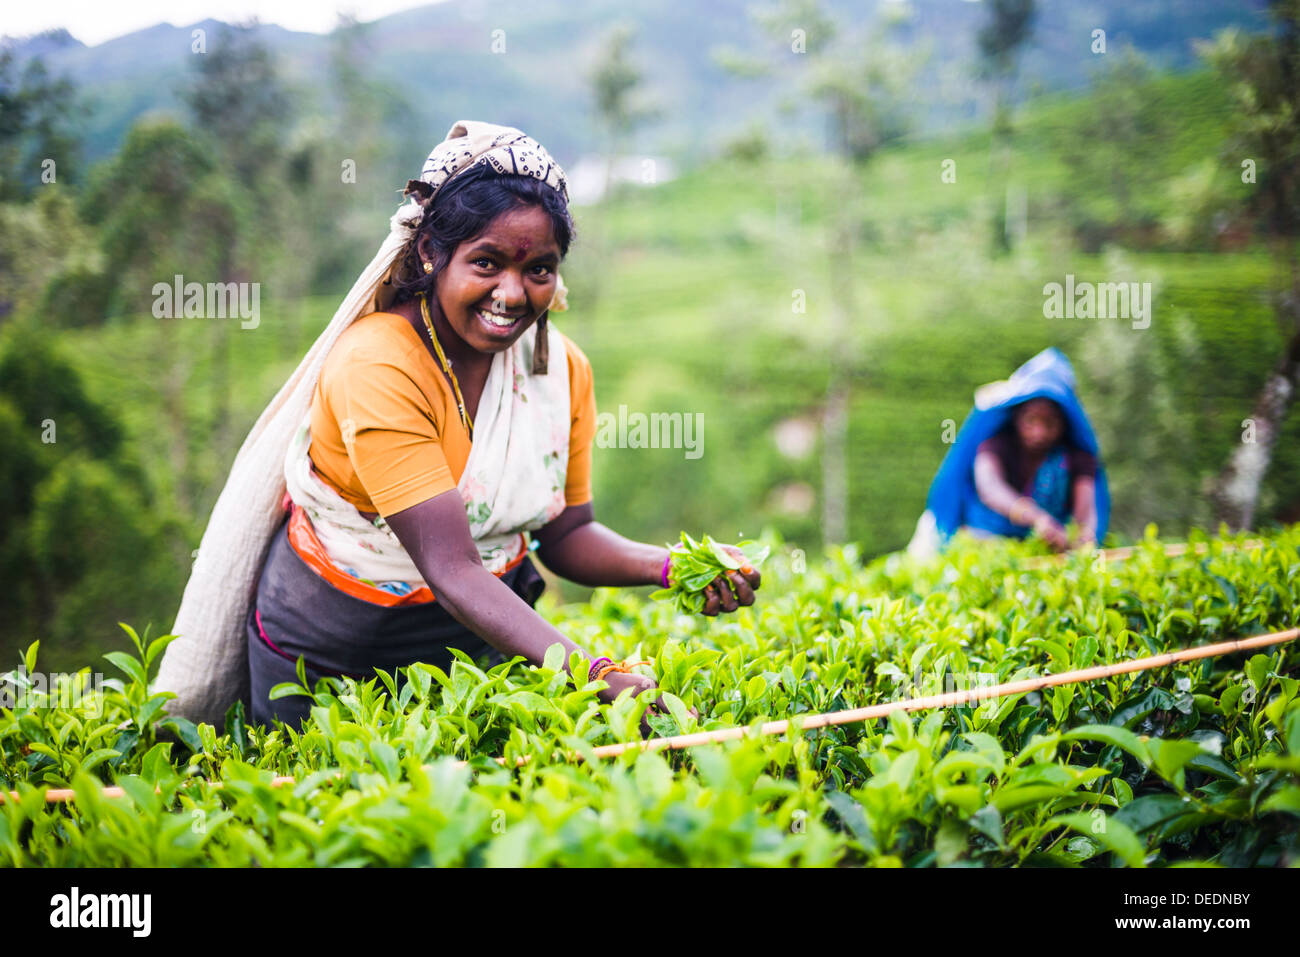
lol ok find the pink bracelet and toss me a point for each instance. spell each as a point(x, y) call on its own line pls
point(667, 561)
point(591, 669)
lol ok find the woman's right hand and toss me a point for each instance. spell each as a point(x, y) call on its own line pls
point(435, 533)
point(619, 680)
point(1051, 531)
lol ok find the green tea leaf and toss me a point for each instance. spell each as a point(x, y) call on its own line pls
point(723, 557)
point(185, 730)
point(287, 689)
point(988, 822)
point(1121, 738)
point(1258, 669)
point(128, 665)
point(854, 818)
point(1286, 800)
point(1169, 757)
point(554, 659)
point(677, 708)
point(1111, 833)
point(156, 647)
point(157, 763)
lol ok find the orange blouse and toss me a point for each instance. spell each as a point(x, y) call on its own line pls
point(405, 442)
point(385, 432)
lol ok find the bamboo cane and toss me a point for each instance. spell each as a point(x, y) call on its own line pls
point(809, 722)
point(953, 698)
point(1172, 550)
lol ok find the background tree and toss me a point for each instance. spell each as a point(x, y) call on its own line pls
point(245, 115)
point(37, 122)
point(35, 241)
point(860, 81)
point(1111, 147)
point(339, 201)
point(160, 208)
point(1000, 40)
point(1263, 71)
point(37, 214)
point(83, 541)
point(617, 87)
point(618, 92)
point(239, 103)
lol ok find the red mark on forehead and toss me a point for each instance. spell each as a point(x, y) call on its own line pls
point(522, 251)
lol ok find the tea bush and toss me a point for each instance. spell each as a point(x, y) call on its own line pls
point(1193, 763)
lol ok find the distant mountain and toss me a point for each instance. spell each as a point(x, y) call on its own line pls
point(41, 44)
point(440, 57)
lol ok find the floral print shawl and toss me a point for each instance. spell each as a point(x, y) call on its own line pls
point(513, 480)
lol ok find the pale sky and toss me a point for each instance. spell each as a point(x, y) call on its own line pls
point(94, 21)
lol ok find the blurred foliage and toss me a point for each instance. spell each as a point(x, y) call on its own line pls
point(82, 541)
point(36, 126)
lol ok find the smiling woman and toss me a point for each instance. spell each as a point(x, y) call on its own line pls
point(438, 435)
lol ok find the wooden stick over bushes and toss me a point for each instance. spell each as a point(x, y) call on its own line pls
point(952, 699)
point(1172, 550)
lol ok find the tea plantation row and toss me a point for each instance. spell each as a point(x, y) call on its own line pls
point(1193, 763)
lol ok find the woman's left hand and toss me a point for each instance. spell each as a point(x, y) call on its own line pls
point(729, 591)
point(1087, 538)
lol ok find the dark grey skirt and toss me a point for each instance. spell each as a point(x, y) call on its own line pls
point(296, 612)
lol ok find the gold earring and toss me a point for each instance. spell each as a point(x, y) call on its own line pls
point(428, 267)
point(541, 350)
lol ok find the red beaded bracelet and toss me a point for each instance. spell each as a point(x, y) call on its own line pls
point(622, 666)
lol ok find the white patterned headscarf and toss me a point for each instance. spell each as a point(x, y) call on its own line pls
point(207, 665)
point(504, 148)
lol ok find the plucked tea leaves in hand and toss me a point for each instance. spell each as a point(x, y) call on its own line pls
point(697, 564)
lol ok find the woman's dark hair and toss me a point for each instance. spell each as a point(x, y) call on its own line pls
point(463, 209)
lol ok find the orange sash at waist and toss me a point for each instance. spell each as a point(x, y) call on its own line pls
point(303, 540)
